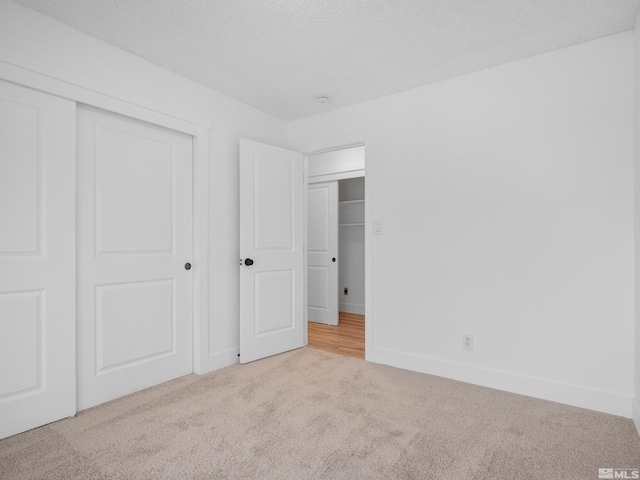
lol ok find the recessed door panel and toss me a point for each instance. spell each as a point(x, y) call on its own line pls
point(37, 259)
point(144, 310)
point(134, 295)
point(134, 182)
point(318, 214)
point(275, 298)
point(318, 287)
point(273, 205)
point(20, 342)
point(20, 180)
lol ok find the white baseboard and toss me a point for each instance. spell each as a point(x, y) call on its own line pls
point(351, 308)
point(635, 413)
point(223, 359)
point(575, 395)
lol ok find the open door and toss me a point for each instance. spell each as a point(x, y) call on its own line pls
point(272, 262)
point(322, 253)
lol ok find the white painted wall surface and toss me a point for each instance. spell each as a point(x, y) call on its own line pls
point(70, 52)
point(506, 198)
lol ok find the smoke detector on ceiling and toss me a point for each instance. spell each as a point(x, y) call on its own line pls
point(322, 98)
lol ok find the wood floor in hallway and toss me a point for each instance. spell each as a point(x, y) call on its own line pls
point(347, 338)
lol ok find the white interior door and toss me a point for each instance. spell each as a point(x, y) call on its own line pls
point(322, 253)
point(135, 237)
point(37, 259)
point(271, 233)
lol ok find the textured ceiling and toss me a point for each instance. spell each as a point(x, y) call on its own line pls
point(279, 55)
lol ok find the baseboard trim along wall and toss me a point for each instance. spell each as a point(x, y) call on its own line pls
point(224, 358)
point(574, 395)
point(351, 308)
point(635, 412)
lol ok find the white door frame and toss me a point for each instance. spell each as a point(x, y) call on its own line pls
point(354, 140)
point(28, 71)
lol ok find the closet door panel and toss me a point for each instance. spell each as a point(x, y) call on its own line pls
point(37, 259)
point(135, 205)
point(322, 253)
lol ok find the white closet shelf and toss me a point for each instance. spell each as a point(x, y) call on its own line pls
point(351, 212)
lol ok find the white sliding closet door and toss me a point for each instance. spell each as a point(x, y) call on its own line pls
point(135, 238)
point(37, 259)
point(322, 253)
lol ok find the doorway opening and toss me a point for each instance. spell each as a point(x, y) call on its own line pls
point(336, 251)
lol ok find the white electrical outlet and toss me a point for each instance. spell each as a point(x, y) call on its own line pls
point(467, 341)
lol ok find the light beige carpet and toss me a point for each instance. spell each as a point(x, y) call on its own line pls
point(310, 414)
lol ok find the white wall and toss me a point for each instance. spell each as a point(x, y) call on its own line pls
point(506, 202)
point(78, 57)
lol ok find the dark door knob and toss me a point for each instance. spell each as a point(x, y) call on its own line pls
point(187, 266)
point(248, 262)
point(333, 259)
